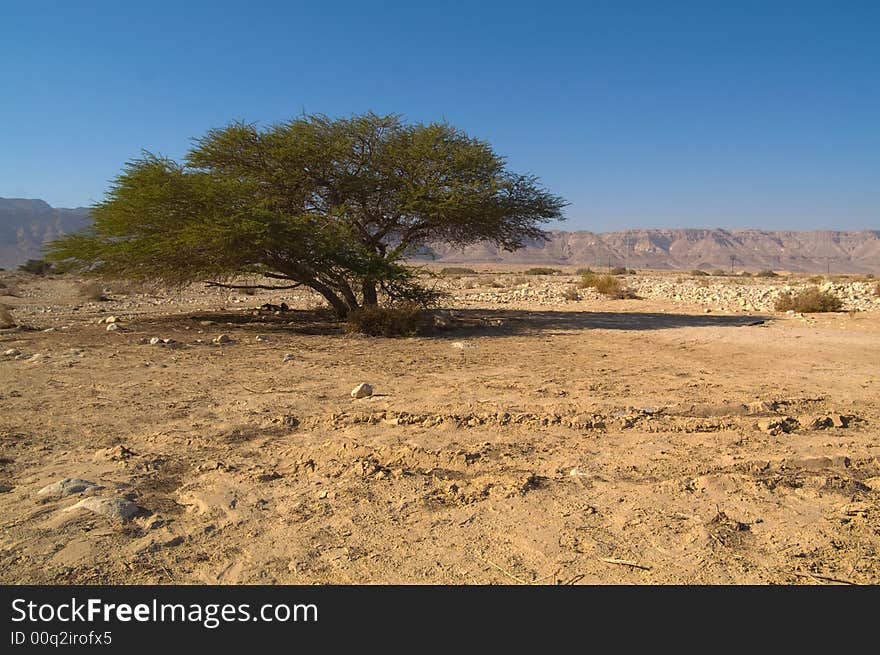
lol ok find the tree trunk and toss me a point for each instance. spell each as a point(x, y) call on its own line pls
point(369, 290)
point(339, 307)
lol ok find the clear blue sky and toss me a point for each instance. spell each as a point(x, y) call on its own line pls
point(641, 114)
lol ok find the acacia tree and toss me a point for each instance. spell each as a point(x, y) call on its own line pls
point(334, 205)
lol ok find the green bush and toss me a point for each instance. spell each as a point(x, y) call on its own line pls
point(456, 270)
point(36, 266)
point(405, 319)
point(808, 301)
point(542, 271)
point(607, 285)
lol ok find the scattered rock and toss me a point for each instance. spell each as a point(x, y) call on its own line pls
point(461, 345)
point(12, 352)
point(113, 508)
point(761, 407)
point(113, 327)
point(776, 426)
point(155, 341)
point(68, 486)
point(839, 421)
point(443, 319)
point(111, 319)
point(261, 338)
point(113, 454)
point(223, 338)
point(815, 422)
point(362, 390)
point(288, 357)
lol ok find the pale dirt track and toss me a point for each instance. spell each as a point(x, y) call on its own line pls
point(565, 437)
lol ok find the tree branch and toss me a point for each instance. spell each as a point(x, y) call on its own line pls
point(253, 286)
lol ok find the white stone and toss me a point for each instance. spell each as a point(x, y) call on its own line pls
point(68, 486)
point(223, 338)
point(113, 327)
point(113, 508)
point(12, 352)
point(261, 338)
point(155, 341)
point(288, 357)
point(362, 390)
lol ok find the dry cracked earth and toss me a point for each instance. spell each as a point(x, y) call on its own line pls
point(593, 442)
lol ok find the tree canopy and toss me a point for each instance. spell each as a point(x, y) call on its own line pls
point(336, 205)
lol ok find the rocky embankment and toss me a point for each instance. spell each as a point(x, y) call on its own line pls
point(718, 294)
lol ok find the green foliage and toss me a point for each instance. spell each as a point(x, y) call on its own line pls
point(542, 271)
point(404, 319)
point(334, 205)
point(808, 301)
point(607, 285)
point(36, 266)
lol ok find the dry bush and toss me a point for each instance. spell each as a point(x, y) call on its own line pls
point(457, 270)
point(808, 301)
point(497, 284)
point(570, 293)
point(720, 273)
point(697, 272)
point(607, 285)
point(468, 282)
point(620, 270)
point(9, 288)
point(815, 279)
point(877, 289)
point(583, 271)
point(766, 273)
point(400, 320)
point(539, 270)
point(519, 279)
point(92, 291)
point(7, 320)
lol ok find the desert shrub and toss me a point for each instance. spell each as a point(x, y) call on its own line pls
point(745, 274)
point(877, 289)
point(538, 270)
point(497, 284)
point(405, 319)
point(718, 272)
point(618, 270)
point(607, 285)
point(697, 272)
point(7, 320)
point(456, 270)
point(570, 293)
point(766, 273)
point(582, 271)
point(468, 283)
point(808, 301)
point(36, 266)
point(815, 279)
point(92, 291)
point(519, 279)
point(8, 288)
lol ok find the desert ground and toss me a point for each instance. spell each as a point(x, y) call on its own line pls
point(547, 435)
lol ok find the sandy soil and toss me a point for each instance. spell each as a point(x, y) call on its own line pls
point(600, 441)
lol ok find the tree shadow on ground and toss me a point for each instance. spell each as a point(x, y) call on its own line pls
point(468, 322)
point(511, 322)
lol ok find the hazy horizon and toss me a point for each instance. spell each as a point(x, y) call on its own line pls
point(755, 116)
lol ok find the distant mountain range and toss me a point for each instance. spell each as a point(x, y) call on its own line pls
point(685, 249)
point(25, 225)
